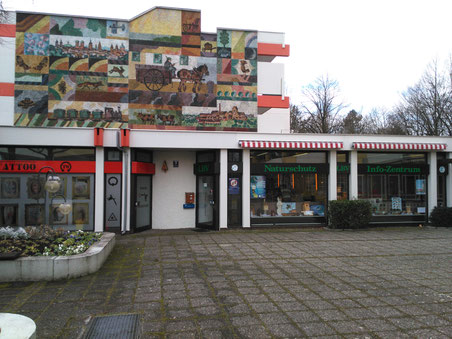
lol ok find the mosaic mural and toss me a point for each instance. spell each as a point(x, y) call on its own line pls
point(158, 71)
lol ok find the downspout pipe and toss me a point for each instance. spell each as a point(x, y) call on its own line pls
point(125, 179)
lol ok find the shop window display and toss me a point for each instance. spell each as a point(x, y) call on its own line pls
point(22, 201)
point(288, 184)
point(395, 184)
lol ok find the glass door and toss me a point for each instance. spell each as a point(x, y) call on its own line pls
point(206, 202)
point(141, 218)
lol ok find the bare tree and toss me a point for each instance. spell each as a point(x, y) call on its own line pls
point(3, 17)
point(426, 107)
point(382, 121)
point(321, 108)
point(3, 14)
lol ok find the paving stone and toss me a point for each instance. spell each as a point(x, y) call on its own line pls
point(359, 313)
point(274, 318)
point(427, 333)
point(433, 320)
point(253, 332)
point(284, 330)
point(329, 315)
point(245, 320)
point(303, 316)
point(377, 324)
point(264, 307)
point(347, 326)
point(316, 329)
point(180, 326)
point(360, 284)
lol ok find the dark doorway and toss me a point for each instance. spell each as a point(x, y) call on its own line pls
point(141, 202)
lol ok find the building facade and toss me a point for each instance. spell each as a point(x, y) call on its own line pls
point(152, 123)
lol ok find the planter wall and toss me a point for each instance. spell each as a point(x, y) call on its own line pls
point(60, 267)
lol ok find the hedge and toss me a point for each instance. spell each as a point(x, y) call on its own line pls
point(346, 214)
point(441, 217)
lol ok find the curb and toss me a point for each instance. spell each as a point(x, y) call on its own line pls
point(42, 268)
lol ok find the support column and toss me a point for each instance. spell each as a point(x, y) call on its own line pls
point(126, 183)
point(223, 185)
point(449, 182)
point(353, 175)
point(332, 180)
point(432, 182)
point(99, 197)
point(246, 222)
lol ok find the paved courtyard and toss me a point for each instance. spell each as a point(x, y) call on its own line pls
point(391, 283)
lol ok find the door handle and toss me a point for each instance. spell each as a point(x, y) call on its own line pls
point(137, 203)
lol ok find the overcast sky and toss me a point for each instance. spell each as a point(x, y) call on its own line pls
point(374, 49)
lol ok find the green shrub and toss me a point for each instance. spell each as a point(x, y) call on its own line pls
point(441, 217)
point(349, 214)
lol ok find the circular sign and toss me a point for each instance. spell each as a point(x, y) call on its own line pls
point(442, 169)
point(235, 168)
point(234, 182)
point(112, 181)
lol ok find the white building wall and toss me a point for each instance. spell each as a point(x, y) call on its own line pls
point(6, 110)
point(270, 78)
point(275, 120)
point(271, 37)
point(168, 190)
point(7, 72)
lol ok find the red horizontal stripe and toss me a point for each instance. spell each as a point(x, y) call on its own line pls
point(143, 167)
point(273, 49)
point(33, 166)
point(113, 167)
point(7, 31)
point(6, 89)
point(273, 101)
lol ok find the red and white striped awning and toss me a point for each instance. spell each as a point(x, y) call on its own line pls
point(398, 146)
point(290, 144)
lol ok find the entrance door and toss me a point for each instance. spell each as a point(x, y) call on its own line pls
point(206, 209)
point(141, 218)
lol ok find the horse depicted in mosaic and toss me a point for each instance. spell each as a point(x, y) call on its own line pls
point(196, 75)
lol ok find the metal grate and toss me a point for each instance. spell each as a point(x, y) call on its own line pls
point(114, 327)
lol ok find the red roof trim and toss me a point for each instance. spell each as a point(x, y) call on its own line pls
point(398, 146)
point(291, 144)
point(273, 101)
point(7, 31)
point(6, 89)
point(273, 49)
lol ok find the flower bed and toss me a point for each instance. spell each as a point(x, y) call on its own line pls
point(43, 240)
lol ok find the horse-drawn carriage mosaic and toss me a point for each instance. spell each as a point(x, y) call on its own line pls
point(157, 71)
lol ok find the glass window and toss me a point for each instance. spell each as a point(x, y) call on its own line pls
point(142, 156)
point(392, 158)
point(24, 202)
point(288, 157)
point(31, 153)
point(234, 155)
point(394, 193)
point(112, 154)
point(441, 188)
point(342, 186)
point(342, 157)
point(343, 168)
point(295, 192)
point(47, 153)
point(205, 157)
point(74, 154)
point(288, 194)
point(5, 153)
